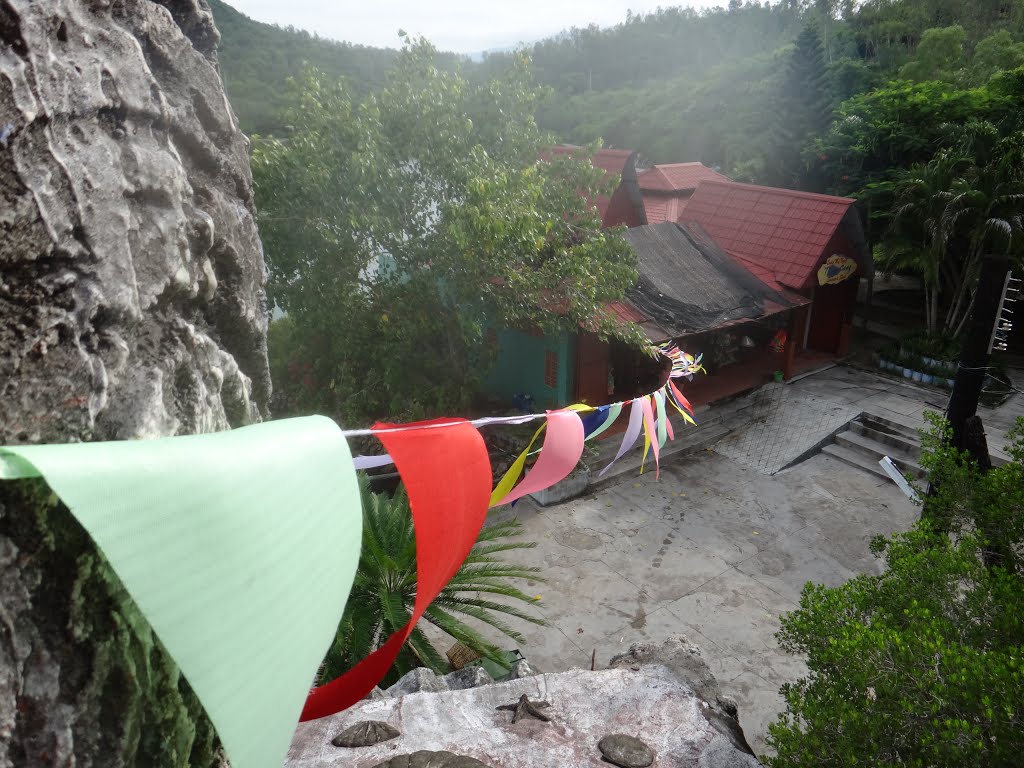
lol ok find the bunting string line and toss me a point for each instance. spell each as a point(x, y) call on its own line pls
point(229, 529)
point(657, 429)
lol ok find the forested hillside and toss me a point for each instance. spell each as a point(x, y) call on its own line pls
point(256, 60)
point(728, 86)
point(719, 86)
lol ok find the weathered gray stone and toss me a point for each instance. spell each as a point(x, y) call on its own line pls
point(376, 693)
point(687, 662)
point(525, 708)
point(626, 751)
point(729, 726)
point(468, 677)
point(427, 759)
point(650, 702)
point(419, 679)
point(520, 669)
point(721, 753)
point(131, 305)
point(131, 300)
point(678, 654)
point(365, 734)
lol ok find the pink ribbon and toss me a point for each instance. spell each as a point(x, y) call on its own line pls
point(561, 452)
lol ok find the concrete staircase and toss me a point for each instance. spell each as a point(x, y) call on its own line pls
point(869, 437)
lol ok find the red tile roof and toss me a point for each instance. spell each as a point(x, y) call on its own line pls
point(626, 313)
point(762, 272)
point(676, 177)
point(784, 231)
point(611, 161)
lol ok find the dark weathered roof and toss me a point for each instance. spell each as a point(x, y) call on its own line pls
point(689, 284)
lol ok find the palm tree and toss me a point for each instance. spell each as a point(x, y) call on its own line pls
point(964, 203)
point(986, 215)
point(385, 589)
point(917, 238)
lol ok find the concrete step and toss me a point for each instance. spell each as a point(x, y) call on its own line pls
point(854, 459)
point(897, 443)
point(873, 451)
point(893, 424)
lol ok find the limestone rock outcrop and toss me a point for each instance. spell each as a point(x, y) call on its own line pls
point(132, 296)
point(132, 305)
point(651, 698)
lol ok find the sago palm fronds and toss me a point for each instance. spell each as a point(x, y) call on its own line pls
point(384, 591)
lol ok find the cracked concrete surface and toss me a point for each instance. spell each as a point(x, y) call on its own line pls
point(713, 549)
point(718, 549)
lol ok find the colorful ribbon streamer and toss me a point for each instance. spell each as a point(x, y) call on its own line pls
point(447, 474)
point(632, 433)
point(612, 414)
point(561, 452)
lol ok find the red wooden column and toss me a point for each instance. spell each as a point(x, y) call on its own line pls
point(794, 337)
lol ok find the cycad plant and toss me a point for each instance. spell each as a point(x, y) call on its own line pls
point(384, 591)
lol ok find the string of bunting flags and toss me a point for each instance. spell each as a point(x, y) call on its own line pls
point(240, 547)
point(648, 416)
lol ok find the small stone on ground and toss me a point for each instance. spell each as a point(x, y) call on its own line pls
point(365, 734)
point(626, 751)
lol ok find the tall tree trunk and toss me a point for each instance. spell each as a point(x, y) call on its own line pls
point(961, 287)
point(132, 305)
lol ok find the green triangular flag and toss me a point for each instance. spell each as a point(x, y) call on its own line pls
point(240, 549)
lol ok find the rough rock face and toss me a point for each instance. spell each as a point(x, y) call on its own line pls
point(649, 700)
point(131, 273)
point(131, 305)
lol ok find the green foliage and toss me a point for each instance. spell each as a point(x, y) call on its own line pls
point(257, 59)
point(385, 589)
point(397, 227)
point(940, 56)
point(948, 213)
point(924, 664)
point(803, 109)
point(996, 53)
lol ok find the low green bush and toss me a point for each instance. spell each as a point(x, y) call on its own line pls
point(924, 664)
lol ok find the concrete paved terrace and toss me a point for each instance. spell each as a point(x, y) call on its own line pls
point(718, 547)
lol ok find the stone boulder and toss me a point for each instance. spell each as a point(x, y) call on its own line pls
point(132, 305)
point(686, 662)
point(132, 278)
point(650, 702)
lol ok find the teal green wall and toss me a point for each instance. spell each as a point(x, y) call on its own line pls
point(519, 368)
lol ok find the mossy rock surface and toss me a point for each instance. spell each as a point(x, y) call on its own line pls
point(83, 679)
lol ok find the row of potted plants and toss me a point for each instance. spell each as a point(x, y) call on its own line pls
point(922, 359)
point(936, 373)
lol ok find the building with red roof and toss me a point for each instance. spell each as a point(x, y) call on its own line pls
point(625, 206)
point(667, 188)
point(809, 243)
point(761, 280)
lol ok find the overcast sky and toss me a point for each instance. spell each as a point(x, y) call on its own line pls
point(463, 26)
